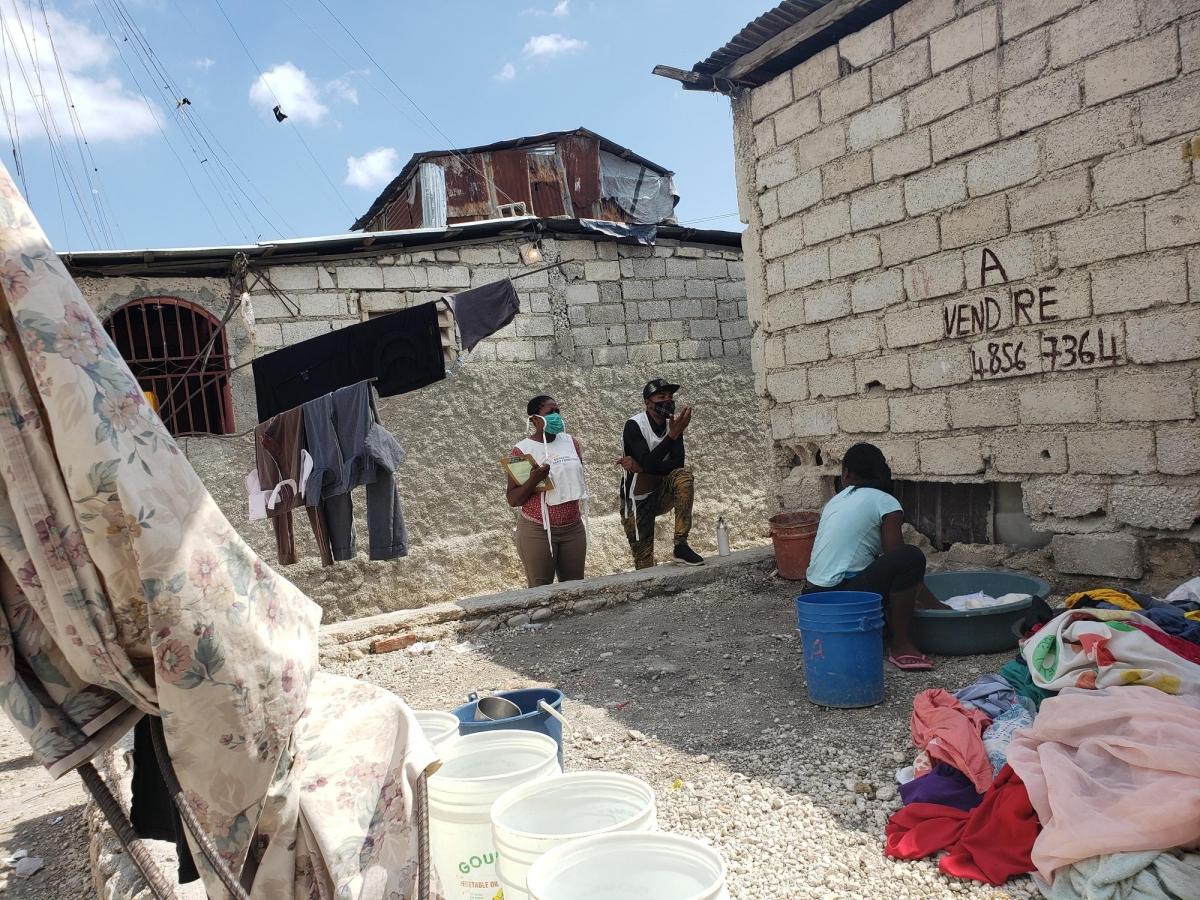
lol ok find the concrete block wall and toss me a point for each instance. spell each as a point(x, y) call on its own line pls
point(974, 239)
point(609, 305)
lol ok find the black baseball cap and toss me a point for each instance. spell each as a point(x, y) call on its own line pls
point(656, 385)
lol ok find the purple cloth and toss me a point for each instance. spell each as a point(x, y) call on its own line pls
point(944, 785)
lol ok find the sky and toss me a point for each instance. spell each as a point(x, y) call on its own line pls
point(128, 165)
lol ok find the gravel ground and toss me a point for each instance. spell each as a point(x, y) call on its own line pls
point(702, 695)
point(44, 818)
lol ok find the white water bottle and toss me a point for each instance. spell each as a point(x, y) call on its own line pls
point(722, 537)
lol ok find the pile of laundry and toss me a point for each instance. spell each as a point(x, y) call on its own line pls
point(1078, 761)
point(980, 600)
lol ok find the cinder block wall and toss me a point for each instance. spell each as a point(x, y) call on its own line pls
point(973, 240)
point(590, 334)
point(610, 304)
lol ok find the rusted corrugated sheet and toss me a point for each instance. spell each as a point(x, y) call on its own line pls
point(510, 173)
point(581, 159)
point(546, 183)
point(467, 195)
point(403, 212)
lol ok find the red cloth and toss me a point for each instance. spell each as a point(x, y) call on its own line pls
point(1177, 645)
point(990, 843)
point(952, 733)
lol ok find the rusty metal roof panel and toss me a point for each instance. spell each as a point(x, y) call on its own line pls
point(410, 167)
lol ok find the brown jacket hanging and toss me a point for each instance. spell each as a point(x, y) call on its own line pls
point(277, 446)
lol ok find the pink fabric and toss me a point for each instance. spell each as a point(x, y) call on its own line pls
point(1111, 770)
point(952, 733)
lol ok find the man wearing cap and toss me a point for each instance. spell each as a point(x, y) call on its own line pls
point(656, 480)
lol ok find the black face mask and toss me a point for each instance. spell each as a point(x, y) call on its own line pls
point(665, 408)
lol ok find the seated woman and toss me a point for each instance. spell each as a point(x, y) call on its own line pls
point(859, 547)
point(551, 532)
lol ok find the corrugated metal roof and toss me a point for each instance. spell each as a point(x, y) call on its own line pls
point(215, 261)
point(417, 158)
point(769, 25)
point(757, 33)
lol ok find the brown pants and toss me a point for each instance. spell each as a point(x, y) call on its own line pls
point(570, 551)
point(676, 491)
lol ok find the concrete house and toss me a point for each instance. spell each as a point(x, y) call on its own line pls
point(974, 239)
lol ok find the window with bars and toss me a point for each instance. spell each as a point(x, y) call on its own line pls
point(179, 355)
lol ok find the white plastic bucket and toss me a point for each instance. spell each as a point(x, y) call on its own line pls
point(439, 727)
point(625, 865)
point(529, 820)
point(477, 769)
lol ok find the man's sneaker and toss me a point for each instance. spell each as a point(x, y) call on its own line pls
point(686, 556)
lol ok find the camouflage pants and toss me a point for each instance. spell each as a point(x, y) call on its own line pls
point(676, 492)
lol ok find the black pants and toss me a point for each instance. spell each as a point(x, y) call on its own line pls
point(899, 570)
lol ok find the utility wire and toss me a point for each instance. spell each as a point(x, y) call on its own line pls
point(14, 128)
point(223, 178)
point(132, 35)
point(99, 195)
point(295, 130)
point(154, 116)
point(56, 155)
point(449, 143)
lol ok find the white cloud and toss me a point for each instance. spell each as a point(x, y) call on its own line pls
point(343, 89)
point(105, 107)
point(204, 63)
point(373, 169)
point(550, 45)
point(560, 9)
point(507, 73)
point(291, 88)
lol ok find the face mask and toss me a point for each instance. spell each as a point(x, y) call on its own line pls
point(553, 423)
point(665, 408)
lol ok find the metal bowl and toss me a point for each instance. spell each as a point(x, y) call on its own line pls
point(489, 709)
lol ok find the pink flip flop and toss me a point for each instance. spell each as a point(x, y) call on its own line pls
point(910, 662)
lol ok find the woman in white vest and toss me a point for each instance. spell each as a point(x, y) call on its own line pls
point(551, 525)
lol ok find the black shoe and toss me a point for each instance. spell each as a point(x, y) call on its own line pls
point(686, 556)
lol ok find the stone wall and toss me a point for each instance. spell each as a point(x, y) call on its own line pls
point(591, 334)
point(973, 240)
point(610, 304)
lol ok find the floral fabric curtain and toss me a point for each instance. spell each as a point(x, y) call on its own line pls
point(124, 591)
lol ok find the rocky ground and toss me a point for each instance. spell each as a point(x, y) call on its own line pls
point(702, 695)
point(44, 819)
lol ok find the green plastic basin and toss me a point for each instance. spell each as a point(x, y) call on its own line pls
point(948, 632)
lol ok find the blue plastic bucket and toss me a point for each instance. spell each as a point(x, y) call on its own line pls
point(842, 634)
point(531, 718)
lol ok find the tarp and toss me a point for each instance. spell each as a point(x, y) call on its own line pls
point(645, 196)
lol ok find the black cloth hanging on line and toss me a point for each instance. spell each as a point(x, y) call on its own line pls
point(152, 812)
point(402, 350)
point(482, 312)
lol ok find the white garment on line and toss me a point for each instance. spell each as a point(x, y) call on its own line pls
point(260, 501)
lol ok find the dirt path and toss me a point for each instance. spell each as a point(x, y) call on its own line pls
point(44, 818)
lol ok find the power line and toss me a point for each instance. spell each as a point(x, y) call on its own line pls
point(155, 73)
point(99, 196)
point(14, 129)
point(295, 131)
point(54, 141)
point(449, 143)
point(150, 109)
